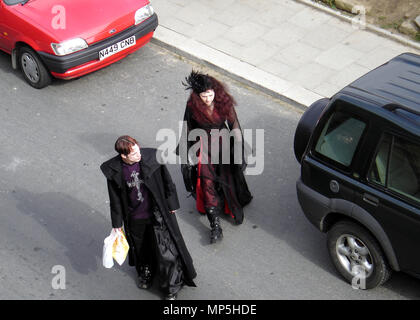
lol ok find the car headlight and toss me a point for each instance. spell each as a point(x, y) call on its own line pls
point(143, 13)
point(69, 46)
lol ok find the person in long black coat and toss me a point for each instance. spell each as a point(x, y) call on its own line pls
point(156, 242)
point(216, 182)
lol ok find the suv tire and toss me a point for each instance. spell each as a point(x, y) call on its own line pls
point(33, 70)
point(356, 253)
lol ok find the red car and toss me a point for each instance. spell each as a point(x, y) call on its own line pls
point(69, 38)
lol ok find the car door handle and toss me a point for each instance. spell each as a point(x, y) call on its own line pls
point(371, 199)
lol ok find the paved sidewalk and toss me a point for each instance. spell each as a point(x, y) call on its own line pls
point(286, 47)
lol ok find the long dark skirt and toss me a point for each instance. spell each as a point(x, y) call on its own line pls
point(169, 264)
point(153, 246)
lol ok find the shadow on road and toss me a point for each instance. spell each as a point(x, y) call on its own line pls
point(76, 226)
point(72, 223)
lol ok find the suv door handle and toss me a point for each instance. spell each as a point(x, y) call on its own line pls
point(370, 199)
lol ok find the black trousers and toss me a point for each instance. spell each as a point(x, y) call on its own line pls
point(144, 243)
point(154, 246)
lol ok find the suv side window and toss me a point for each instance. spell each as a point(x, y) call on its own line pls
point(397, 166)
point(340, 137)
point(378, 170)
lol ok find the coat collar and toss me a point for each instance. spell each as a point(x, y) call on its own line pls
point(112, 169)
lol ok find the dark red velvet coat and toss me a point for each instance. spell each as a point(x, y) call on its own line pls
point(235, 191)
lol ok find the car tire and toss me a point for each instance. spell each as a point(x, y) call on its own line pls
point(357, 255)
point(33, 70)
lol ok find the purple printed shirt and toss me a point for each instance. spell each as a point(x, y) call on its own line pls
point(139, 198)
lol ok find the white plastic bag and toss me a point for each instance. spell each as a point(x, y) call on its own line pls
point(115, 247)
point(107, 259)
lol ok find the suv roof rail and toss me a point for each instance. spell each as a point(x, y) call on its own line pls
point(407, 113)
point(392, 106)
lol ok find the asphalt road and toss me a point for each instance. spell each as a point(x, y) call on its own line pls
point(53, 197)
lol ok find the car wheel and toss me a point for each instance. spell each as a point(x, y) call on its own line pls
point(33, 69)
point(357, 255)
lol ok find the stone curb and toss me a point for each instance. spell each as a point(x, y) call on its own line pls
point(370, 27)
point(239, 70)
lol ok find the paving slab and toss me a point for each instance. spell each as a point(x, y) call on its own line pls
point(296, 50)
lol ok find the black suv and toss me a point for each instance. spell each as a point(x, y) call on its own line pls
point(360, 172)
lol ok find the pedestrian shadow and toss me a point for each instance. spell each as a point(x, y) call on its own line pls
point(72, 223)
point(77, 227)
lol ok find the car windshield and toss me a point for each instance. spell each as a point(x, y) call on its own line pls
point(13, 2)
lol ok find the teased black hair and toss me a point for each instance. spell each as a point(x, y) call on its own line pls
point(198, 82)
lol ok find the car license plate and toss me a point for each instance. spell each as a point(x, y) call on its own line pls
point(117, 47)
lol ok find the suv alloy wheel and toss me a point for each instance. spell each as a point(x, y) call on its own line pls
point(357, 255)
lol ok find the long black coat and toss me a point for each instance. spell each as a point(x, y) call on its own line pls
point(158, 180)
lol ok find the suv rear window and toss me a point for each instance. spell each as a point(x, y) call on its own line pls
point(397, 166)
point(340, 137)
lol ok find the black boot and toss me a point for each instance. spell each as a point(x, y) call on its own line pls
point(145, 277)
point(216, 231)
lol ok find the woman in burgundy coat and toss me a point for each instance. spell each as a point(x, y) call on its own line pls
point(212, 169)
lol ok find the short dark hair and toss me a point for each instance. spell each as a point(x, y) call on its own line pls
point(124, 144)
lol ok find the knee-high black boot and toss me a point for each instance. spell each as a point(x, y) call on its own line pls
point(216, 231)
